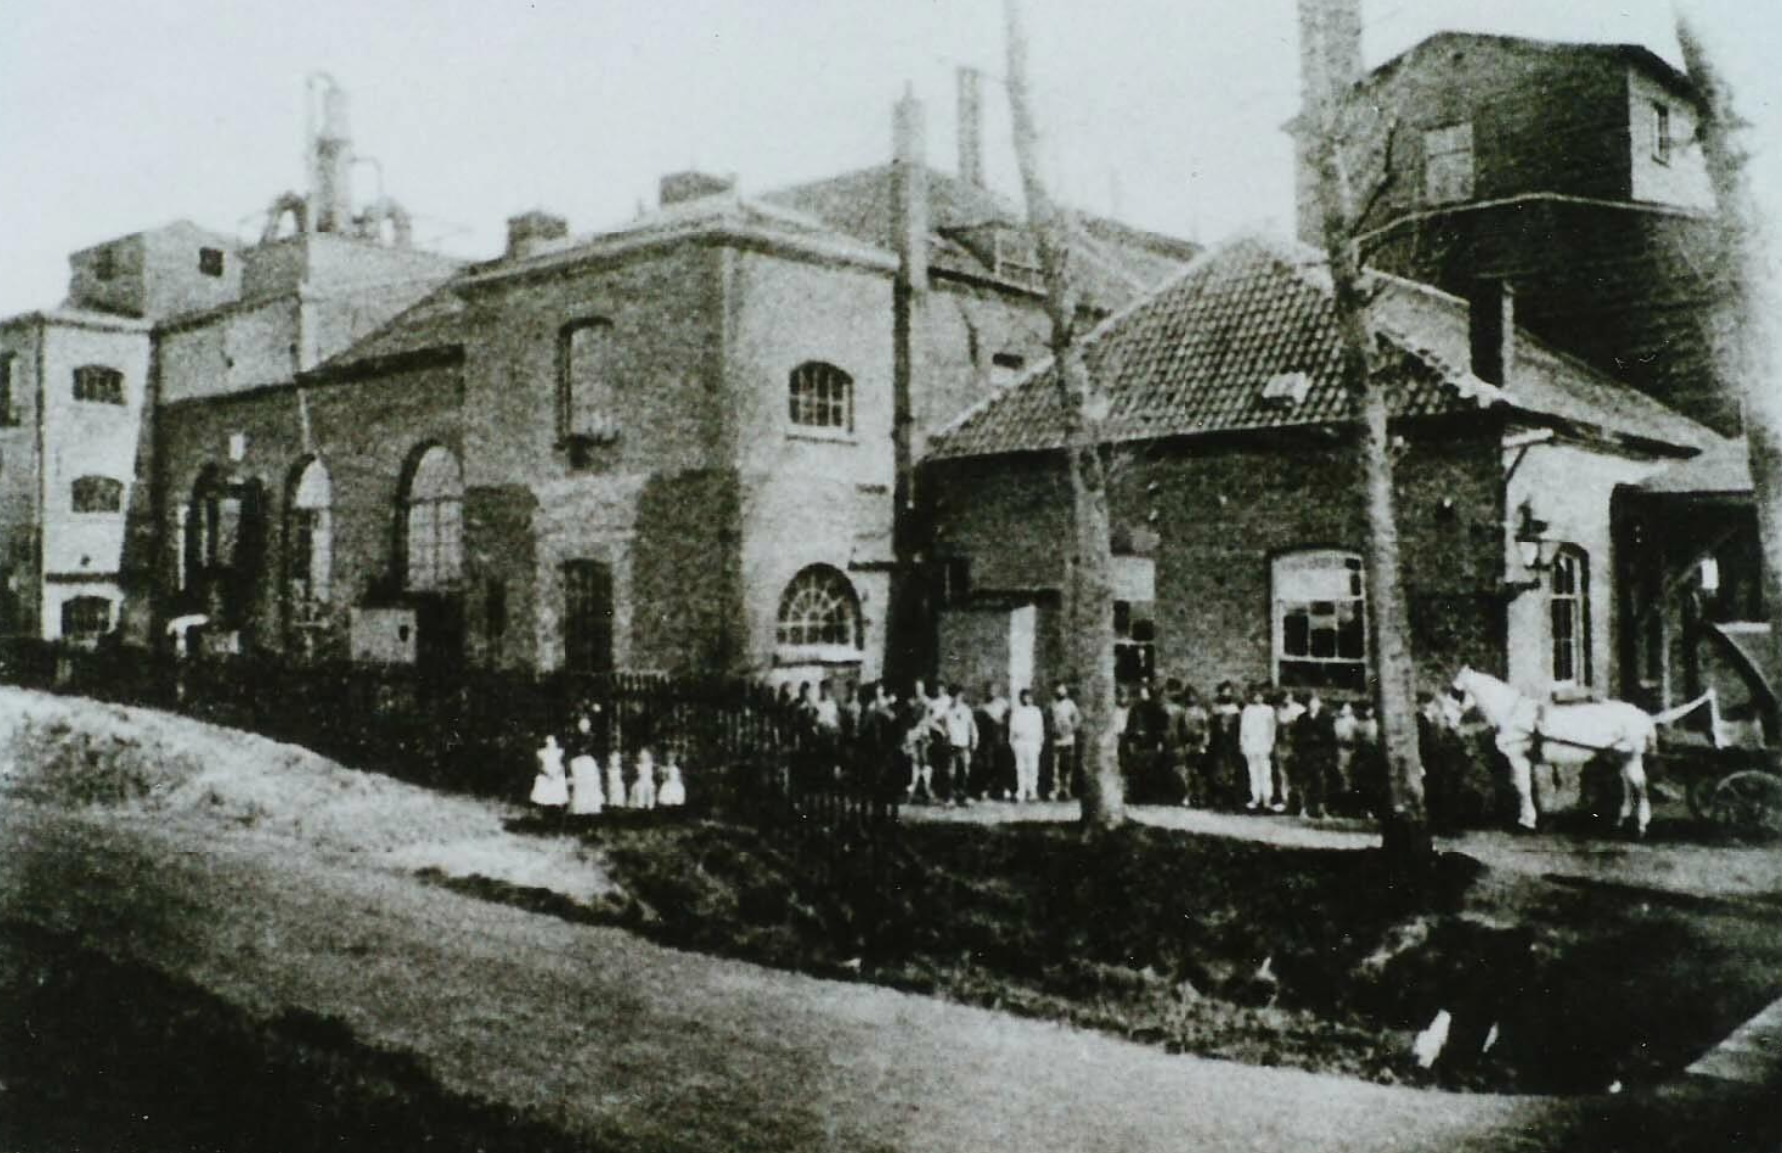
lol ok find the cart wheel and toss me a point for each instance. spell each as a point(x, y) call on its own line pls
point(1701, 796)
point(1749, 802)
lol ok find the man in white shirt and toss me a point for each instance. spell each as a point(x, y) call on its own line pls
point(1027, 735)
point(1256, 740)
point(1066, 721)
point(961, 728)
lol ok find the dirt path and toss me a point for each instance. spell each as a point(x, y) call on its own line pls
point(638, 1046)
point(1679, 867)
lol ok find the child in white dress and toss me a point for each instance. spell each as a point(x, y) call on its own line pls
point(673, 793)
point(550, 791)
point(615, 780)
point(643, 789)
point(586, 797)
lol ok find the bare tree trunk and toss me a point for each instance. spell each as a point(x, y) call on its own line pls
point(1404, 827)
point(1745, 342)
point(1088, 610)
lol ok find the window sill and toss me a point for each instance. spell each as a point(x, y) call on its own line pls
point(817, 655)
point(821, 435)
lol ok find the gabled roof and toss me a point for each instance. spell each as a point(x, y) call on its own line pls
point(1635, 55)
point(1120, 260)
point(432, 325)
point(721, 215)
point(1195, 356)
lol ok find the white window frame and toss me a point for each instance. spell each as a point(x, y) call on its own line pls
point(1294, 584)
point(1661, 139)
point(820, 397)
point(819, 618)
point(1568, 593)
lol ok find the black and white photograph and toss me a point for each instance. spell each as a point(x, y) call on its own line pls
point(839, 575)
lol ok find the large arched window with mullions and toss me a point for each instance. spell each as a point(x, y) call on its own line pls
point(433, 523)
point(819, 610)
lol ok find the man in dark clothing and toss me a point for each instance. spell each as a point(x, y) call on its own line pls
point(1314, 756)
point(1224, 758)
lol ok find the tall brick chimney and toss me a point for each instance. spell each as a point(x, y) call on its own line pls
point(1491, 331)
point(971, 127)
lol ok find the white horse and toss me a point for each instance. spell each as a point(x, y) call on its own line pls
point(1529, 730)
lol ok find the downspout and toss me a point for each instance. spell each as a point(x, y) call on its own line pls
point(38, 562)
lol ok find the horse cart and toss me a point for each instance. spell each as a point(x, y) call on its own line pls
point(1737, 790)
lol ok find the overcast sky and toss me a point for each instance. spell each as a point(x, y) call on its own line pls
point(120, 115)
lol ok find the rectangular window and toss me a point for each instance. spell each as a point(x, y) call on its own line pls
point(310, 561)
point(98, 494)
point(85, 618)
point(1661, 132)
point(210, 261)
point(98, 385)
point(105, 263)
point(1135, 641)
point(1448, 164)
point(1320, 623)
point(9, 411)
point(1569, 606)
point(435, 534)
point(586, 405)
point(587, 616)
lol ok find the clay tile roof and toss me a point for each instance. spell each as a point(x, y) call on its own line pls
point(1194, 357)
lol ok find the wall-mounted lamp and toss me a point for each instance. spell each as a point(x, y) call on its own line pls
point(1536, 552)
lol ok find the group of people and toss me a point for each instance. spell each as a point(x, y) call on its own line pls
point(583, 790)
point(1266, 750)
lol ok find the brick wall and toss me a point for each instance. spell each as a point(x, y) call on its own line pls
point(1222, 513)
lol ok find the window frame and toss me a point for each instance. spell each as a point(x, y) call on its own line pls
point(98, 384)
point(1358, 666)
point(605, 427)
point(1661, 141)
point(96, 495)
point(86, 601)
point(825, 600)
point(820, 400)
point(1574, 646)
point(433, 526)
point(1441, 184)
point(211, 261)
point(309, 536)
point(588, 643)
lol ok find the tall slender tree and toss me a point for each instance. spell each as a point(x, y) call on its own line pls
point(1336, 125)
point(1088, 610)
point(1745, 345)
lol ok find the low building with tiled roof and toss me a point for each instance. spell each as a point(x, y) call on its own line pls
point(1236, 501)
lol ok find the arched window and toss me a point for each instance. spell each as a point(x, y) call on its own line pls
point(98, 384)
point(433, 512)
point(819, 608)
point(1569, 605)
point(309, 535)
point(1320, 620)
point(98, 494)
point(822, 396)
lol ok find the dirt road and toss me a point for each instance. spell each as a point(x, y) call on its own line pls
point(639, 1047)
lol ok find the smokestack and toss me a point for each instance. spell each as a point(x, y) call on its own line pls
point(909, 190)
point(971, 127)
point(1491, 328)
point(1329, 47)
point(331, 171)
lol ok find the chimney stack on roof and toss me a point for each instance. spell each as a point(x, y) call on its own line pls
point(971, 127)
point(1491, 327)
point(532, 232)
point(680, 187)
point(1329, 47)
point(331, 158)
